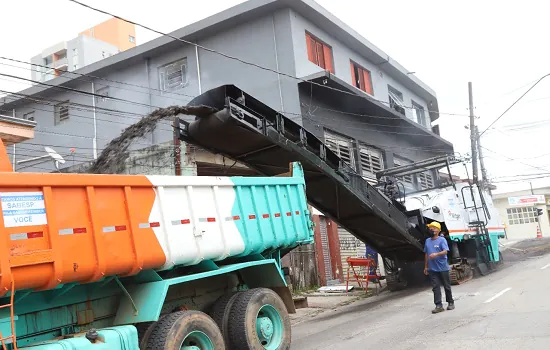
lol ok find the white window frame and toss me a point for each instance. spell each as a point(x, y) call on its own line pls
point(374, 160)
point(61, 112)
point(521, 215)
point(342, 146)
point(172, 69)
point(420, 118)
point(396, 98)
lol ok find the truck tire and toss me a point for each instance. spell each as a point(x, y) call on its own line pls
point(220, 312)
point(259, 309)
point(186, 328)
point(144, 329)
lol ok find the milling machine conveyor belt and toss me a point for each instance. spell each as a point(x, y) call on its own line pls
point(246, 130)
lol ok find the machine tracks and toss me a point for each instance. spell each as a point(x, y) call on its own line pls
point(461, 273)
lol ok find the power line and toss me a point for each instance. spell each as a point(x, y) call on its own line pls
point(239, 59)
point(94, 77)
point(512, 159)
point(521, 180)
point(512, 105)
point(77, 90)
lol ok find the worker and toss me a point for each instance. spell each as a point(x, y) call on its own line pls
point(437, 267)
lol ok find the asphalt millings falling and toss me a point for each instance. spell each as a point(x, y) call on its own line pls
point(112, 158)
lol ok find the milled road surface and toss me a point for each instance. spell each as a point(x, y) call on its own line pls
point(509, 309)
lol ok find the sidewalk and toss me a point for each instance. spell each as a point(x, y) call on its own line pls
point(324, 302)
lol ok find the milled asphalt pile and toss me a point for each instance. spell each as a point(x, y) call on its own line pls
point(112, 158)
point(526, 249)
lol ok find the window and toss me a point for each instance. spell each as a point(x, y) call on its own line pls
point(173, 76)
point(319, 53)
point(61, 112)
point(361, 78)
point(518, 216)
point(103, 54)
point(75, 52)
point(371, 161)
point(48, 61)
point(425, 180)
point(419, 115)
point(75, 66)
point(132, 39)
point(407, 179)
point(102, 94)
point(396, 100)
point(29, 116)
point(341, 146)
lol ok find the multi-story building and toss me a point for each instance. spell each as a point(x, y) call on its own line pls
point(366, 106)
point(92, 45)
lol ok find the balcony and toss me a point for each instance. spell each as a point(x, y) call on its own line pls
point(15, 130)
point(61, 63)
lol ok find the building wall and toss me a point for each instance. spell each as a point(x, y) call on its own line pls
point(341, 58)
point(141, 91)
point(115, 32)
point(90, 50)
point(515, 230)
point(275, 41)
point(263, 42)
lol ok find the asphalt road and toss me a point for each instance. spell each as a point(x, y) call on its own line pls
point(509, 309)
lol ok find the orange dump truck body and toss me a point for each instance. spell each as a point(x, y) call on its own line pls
point(93, 228)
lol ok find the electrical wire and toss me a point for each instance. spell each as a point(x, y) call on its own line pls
point(239, 59)
point(66, 88)
point(92, 77)
point(97, 77)
point(512, 105)
point(516, 160)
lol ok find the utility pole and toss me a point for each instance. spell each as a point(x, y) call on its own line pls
point(482, 162)
point(472, 134)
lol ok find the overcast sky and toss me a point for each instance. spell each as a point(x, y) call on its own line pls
point(502, 47)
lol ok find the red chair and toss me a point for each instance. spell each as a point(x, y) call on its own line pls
point(369, 265)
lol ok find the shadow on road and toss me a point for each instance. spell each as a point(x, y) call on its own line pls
point(370, 303)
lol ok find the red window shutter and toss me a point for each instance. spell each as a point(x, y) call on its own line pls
point(353, 76)
point(327, 53)
point(320, 55)
point(367, 81)
point(310, 48)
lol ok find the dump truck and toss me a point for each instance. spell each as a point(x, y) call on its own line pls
point(147, 262)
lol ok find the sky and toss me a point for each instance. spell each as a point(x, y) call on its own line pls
point(501, 47)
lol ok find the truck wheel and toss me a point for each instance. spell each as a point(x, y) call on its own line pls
point(186, 330)
point(259, 320)
point(220, 312)
point(144, 329)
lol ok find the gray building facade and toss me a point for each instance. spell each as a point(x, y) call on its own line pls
point(333, 82)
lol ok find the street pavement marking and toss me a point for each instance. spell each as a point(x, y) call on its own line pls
point(545, 266)
point(497, 295)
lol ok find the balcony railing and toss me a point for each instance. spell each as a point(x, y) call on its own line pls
point(61, 63)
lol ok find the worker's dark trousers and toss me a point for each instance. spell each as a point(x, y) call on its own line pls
point(439, 279)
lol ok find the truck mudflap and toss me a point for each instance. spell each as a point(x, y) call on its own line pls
point(122, 337)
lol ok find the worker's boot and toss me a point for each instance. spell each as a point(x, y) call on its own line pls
point(438, 309)
point(451, 306)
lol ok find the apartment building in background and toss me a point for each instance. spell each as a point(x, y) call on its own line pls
point(366, 107)
point(94, 44)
